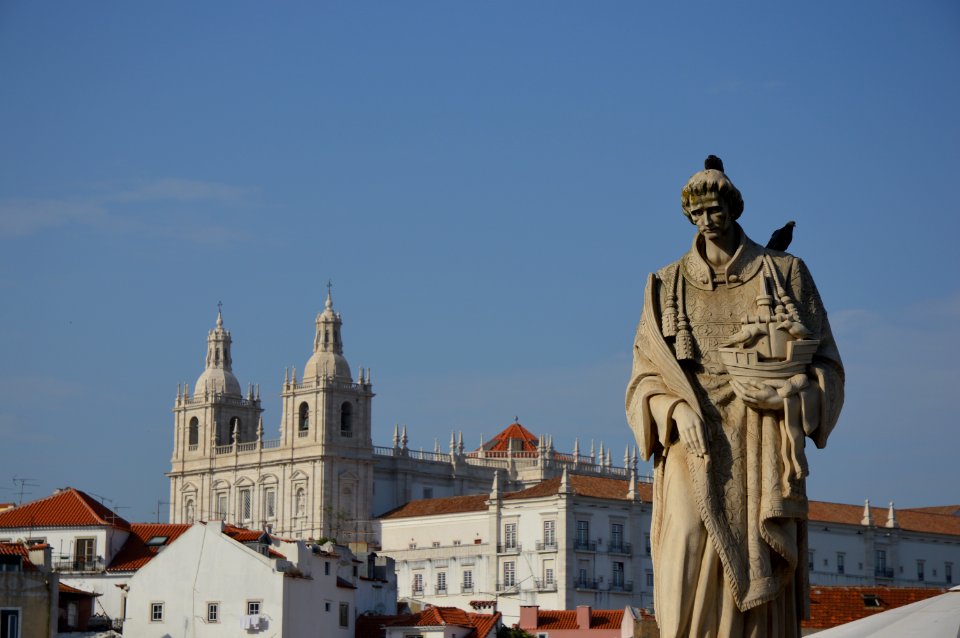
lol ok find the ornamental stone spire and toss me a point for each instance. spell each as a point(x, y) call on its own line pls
point(218, 374)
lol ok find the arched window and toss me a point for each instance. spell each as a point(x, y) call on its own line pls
point(193, 437)
point(304, 422)
point(346, 419)
point(300, 502)
point(188, 511)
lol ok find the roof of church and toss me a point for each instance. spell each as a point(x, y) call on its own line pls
point(590, 486)
point(832, 606)
point(68, 507)
point(513, 432)
point(914, 520)
point(549, 619)
point(479, 624)
point(137, 550)
point(946, 510)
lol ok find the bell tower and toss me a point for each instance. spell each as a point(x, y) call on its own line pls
point(327, 417)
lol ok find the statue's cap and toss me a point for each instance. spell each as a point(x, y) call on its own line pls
point(713, 163)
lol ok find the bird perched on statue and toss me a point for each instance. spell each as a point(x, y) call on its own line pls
point(781, 238)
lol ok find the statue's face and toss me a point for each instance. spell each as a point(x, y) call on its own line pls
point(711, 216)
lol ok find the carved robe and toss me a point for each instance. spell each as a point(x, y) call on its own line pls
point(729, 529)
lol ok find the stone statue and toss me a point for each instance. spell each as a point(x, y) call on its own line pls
point(734, 365)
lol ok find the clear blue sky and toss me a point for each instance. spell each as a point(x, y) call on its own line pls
point(487, 184)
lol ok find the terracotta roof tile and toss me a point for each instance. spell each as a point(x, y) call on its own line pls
point(135, 552)
point(436, 506)
point(946, 510)
point(480, 624)
point(67, 508)
point(556, 620)
point(483, 624)
point(832, 606)
point(911, 520)
point(513, 432)
point(67, 589)
point(21, 550)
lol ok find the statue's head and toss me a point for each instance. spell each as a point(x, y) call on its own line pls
point(711, 183)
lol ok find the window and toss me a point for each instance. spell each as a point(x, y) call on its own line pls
point(157, 541)
point(246, 505)
point(880, 563)
point(418, 583)
point(549, 533)
point(253, 607)
point(548, 575)
point(222, 506)
point(510, 536)
point(468, 579)
point(10, 623)
point(270, 503)
point(617, 574)
point(428, 492)
point(920, 565)
point(646, 544)
point(156, 612)
point(948, 572)
point(346, 420)
point(435, 543)
point(509, 573)
point(84, 554)
point(810, 563)
point(649, 578)
point(213, 612)
point(616, 536)
point(344, 614)
point(326, 568)
point(583, 533)
point(193, 436)
point(326, 605)
point(304, 421)
point(841, 560)
point(73, 612)
point(441, 582)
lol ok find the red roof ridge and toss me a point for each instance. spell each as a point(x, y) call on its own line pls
point(73, 510)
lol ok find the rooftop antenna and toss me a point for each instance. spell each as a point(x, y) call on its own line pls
point(24, 483)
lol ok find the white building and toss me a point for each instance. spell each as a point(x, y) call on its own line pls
point(568, 541)
point(323, 476)
point(92, 548)
point(214, 583)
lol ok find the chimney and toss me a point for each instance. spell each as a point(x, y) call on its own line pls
point(529, 615)
point(41, 556)
point(583, 616)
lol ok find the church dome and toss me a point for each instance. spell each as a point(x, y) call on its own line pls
point(327, 364)
point(217, 380)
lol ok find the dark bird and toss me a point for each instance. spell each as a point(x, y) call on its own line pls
point(781, 238)
point(713, 162)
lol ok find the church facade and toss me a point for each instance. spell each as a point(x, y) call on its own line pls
point(324, 477)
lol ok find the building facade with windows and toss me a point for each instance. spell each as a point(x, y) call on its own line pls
point(323, 476)
point(214, 583)
point(567, 541)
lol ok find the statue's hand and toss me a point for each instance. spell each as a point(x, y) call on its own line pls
point(768, 394)
point(690, 429)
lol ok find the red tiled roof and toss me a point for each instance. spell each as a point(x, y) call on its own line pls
point(242, 534)
point(910, 520)
point(513, 432)
point(435, 506)
point(67, 589)
point(21, 550)
point(343, 583)
point(480, 624)
point(591, 486)
point(832, 606)
point(556, 620)
point(946, 510)
point(67, 508)
point(135, 552)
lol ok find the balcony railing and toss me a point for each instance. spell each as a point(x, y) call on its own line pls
point(441, 590)
point(79, 565)
point(466, 588)
point(546, 546)
point(507, 586)
point(883, 572)
point(582, 545)
point(620, 548)
point(417, 591)
point(585, 583)
point(509, 548)
point(543, 585)
point(622, 586)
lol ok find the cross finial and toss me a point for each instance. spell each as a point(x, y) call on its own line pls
point(329, 303)
point(219, 314)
